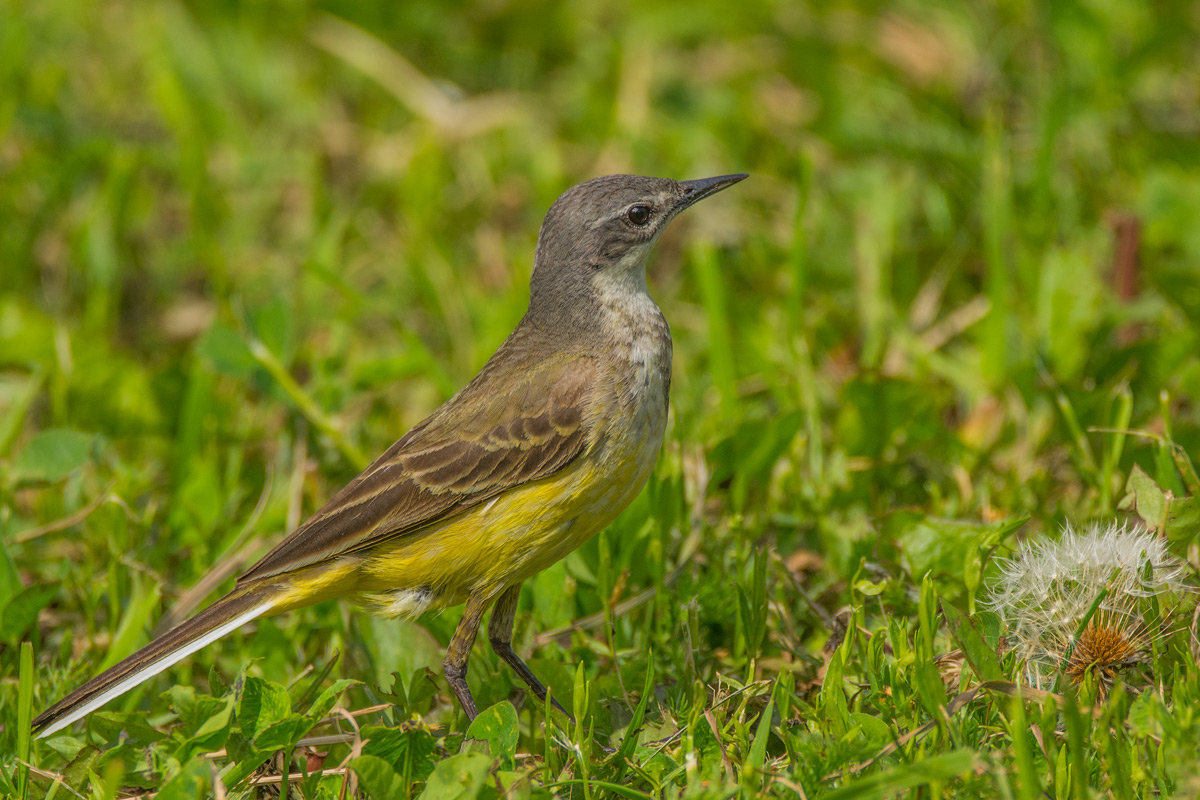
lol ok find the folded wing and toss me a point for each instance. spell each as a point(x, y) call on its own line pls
point(490, 437)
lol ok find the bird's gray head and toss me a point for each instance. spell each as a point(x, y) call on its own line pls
point(596, 236)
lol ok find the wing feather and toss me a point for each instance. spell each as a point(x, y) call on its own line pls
point(488, 438)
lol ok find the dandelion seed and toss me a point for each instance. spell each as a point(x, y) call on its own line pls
point(1082, 604)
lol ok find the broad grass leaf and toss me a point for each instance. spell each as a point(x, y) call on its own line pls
point(979, 654)
point(1146, 498)
point(227, 352)
point(1067, 302)
point(752, 606)
point(10, 579)
point(133, 622)
point(1160, 509)
point(213, 730)
point(401, 646)
point(460, 777)
point(377, 778)
point(80, 765)
point(833, 694)
point(1184, 466)
point(194, 780)
point(283, 734)
point(930, 545)
point(705, 741)
point(630, 739)
point(1118, 758)
point(874, 730)
point(552, 606)
point(52, 455)
point(9, 777)
point(869, 588)
point(26, 332)
point(328, 697)
point(927, 680)
point(17, 393)
point(274, 325)
point(130, 727)
point(1146, 716)
point(409, 752)
point(497, 725)
point(262, 704)
point(193, 708)
point(21, 611)
point(757, 756)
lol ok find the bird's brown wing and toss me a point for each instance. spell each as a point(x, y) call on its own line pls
point(506, 428)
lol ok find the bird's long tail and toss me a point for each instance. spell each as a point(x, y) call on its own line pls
point(227, 614)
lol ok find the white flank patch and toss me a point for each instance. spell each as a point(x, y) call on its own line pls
point(406, 603)
point(152, 669)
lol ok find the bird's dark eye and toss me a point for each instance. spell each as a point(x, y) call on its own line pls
point(638, 215)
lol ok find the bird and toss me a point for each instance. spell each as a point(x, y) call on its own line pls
point(552, 439)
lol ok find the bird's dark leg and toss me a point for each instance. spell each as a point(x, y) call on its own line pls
point(459, 651)
point(500, 629)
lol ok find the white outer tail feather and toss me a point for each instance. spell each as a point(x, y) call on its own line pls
point(152, 669)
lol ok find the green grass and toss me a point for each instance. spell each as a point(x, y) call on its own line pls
point(244, 248)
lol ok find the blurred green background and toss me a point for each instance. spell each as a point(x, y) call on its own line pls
point(244, 247)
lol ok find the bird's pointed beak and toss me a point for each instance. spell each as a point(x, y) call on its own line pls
point(701, 188)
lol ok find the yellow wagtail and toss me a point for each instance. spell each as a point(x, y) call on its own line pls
point(551, 440)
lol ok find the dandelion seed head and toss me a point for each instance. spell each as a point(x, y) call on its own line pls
point(1045, 592)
